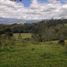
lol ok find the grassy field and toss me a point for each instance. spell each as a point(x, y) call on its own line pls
point(23, 36)
point(28, 54)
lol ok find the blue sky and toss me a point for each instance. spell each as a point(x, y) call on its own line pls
point(63, 1)
point(28, 2)
point(25, 2)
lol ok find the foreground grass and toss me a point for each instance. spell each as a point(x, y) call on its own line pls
point(27, 54)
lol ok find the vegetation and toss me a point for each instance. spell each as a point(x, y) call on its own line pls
point(29, 54)
point(42, 44)
point(50, 30)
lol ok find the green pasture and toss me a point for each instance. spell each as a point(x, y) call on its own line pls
point(22, 35)
point(33, 54)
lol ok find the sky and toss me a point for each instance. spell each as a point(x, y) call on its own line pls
point(28, 2)
point(33, 9)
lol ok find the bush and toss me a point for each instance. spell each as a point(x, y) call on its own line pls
point(62, 42)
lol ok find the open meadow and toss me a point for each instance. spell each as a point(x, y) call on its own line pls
point(33, 33)
point(33, 54)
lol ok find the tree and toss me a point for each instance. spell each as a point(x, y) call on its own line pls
point(48, 30)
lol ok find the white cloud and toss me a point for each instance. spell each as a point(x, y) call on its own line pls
point(54, 9)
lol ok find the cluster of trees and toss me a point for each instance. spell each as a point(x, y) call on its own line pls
point(47, 30)
point(44, 30)
point(30, 27)
point(16, 28)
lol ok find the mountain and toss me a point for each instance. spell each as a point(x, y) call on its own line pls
point(12, 0)
point(14, 20)
point(15, 0)
point(11, 20)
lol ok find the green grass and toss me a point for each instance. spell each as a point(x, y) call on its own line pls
point(23, 35)
point(49, 54)
point(27, 54)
